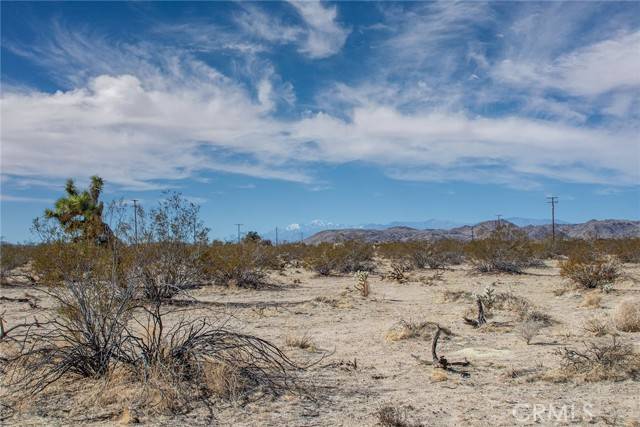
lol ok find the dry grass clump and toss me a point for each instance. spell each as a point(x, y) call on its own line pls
point(626, 316)
point(590, 270)
point(393, 416)
point(521, 307)
point(454, 296)
point(597, 361)
point(597, 325)
point(347, 257)
point(592, 300)
point(409, 329)
point(303, 342)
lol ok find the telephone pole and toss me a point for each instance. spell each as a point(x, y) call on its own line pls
point(301, 236)
point(135, 219)
point(498, 221)
point(552, 200)
point(239, 225)
point(276, 236)
point(473, 237)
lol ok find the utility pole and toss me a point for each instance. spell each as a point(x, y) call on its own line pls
point(473, 237)
point(135, 219)
point(301, 236)
point(552, 200)
point(498, 221)
point(239, 225)
point(276, 236)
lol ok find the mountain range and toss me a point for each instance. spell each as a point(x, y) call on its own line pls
point(610, 229)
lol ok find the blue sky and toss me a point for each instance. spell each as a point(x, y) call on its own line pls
point(283, 113)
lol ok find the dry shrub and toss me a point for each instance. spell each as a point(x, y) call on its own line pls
point(346, 257)
point(598, 361)
point(454, 296)
point(592, 300)
point(13, 256)
point(423, 254)
point(597, 325)
point(398, 272)
point(591, 270)
point(392, 416)
point(505, 250)
point(529, 329)
point(239, 265)
point(521, 307)
point(303, 342)
point(626, 316)
point(409, 329)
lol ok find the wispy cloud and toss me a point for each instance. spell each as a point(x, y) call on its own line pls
point(452, 95)
point(23, 199)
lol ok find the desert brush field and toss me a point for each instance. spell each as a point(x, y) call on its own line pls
point(550, 352)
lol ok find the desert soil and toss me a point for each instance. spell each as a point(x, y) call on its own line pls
point(363, 370)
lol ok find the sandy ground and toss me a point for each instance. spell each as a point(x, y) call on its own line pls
point(353, 329)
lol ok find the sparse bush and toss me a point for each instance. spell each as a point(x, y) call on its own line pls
point(597, 325)
point(236, 265)
point(409, 329)
point(398, 272)
point(529, 329)
point(591, 270)
point(391, 416)
point(599, 361)
point(13, 256)
point(347, 257)
point(627, 316)
point(505, 250)
point(522, 308)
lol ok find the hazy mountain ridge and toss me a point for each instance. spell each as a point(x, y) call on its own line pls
point(610, 229)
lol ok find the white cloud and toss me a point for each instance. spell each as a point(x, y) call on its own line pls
point(324, 36)
point(293, 227)
point(611, 64)
point(22, 199)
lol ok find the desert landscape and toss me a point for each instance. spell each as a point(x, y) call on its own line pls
point(502, 330)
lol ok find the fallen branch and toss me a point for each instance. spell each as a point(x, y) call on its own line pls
point(481, 320)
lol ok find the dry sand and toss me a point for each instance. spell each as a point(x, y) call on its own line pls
point(349, 329)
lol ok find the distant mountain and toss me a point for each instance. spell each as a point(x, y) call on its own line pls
point(420, 225)
point(610, 229)
point(523, 222)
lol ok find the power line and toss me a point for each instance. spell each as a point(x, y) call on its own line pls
point(135, 219)
point(552, 200)
point(239, 225)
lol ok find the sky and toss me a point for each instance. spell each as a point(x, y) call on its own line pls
point(275, 114)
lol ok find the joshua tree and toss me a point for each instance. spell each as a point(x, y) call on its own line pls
point(80, 213)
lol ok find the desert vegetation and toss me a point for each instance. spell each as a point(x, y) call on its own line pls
point(122, 315)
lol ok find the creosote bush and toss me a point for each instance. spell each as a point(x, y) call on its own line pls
point(242, 265)
point(347, 257)
point(506, 250)
point(591, 269)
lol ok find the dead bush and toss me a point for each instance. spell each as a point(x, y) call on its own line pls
point(598, 361)
point(626, 316)
point(398, 272)
point(521, 307)
point(362, 283)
